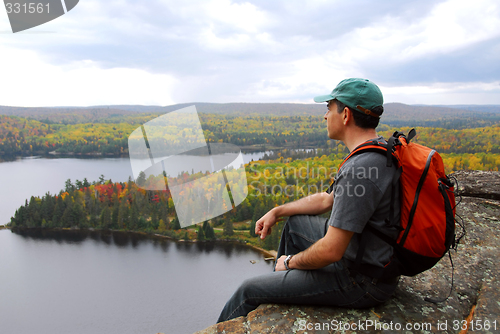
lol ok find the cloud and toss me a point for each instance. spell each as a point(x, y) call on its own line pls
point(33, 82)
point(445, 93)
point(259, 51)
point(442, 46)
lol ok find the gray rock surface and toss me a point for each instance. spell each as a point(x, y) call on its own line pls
point(478, 184)
point(475, 294)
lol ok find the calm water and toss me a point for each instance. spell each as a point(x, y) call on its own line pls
point(101, 283)
point(95, 282)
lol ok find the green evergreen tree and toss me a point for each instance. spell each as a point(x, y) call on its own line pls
point(93, 220)
point(141, 180)
point(228, 228)
point(46, 209)
point(175, 224)
point(259, 211)
point(154, 220)
point(37, 219)
point(164, 214)
point(271, 242)
point(275, 235)
point(86, 183)
point(134, 218)
point(105, 218)
point(56, 218)
point(201, 235)
point(68, 186)
point(77, 215)
point(252, 229)
point(209, 231)
point(161, 226)
point(142, 223)
point(114, 217)
point(67, 218)
point(123, 216)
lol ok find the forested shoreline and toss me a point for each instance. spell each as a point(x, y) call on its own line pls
point(28, 137)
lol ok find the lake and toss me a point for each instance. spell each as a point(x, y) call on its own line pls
point(94, 282)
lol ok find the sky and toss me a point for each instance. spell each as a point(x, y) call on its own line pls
point(164, 52)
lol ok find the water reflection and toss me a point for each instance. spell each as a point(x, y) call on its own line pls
point(69, 237)
point(122, 239)
point(105, 236)
point(95, 236)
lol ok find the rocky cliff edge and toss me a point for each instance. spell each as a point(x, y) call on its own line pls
point(474, 304)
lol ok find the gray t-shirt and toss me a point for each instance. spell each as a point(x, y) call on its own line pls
point(362, 195)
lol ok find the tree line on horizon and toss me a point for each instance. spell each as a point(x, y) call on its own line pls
point(25, 137)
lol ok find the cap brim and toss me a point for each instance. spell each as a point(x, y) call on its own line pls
point(323, 98)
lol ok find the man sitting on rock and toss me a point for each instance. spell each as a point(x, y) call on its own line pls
point(316, 256)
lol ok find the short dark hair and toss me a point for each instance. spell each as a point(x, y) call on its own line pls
point(360, 119)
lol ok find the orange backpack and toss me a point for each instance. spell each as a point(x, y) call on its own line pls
point(427, 224)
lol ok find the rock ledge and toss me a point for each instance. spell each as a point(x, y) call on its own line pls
point(475, 294)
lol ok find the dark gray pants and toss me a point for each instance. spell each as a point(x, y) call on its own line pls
point(332, 285)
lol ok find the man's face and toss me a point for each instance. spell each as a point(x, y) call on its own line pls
point(333, 120)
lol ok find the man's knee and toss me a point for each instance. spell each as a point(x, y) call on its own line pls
point(300, 222)
point(307, 226)
point(257, 286)
point(294, 221)
point(247, 287)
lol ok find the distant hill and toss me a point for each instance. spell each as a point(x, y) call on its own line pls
point(490, 108)
point(399, 114)
point(240, 109)
point(396, 114)
point(72, 114)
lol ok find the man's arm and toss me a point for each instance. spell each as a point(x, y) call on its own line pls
point(326, 250)
point(311, 205)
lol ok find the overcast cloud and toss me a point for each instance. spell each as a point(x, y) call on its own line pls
point(163, 52)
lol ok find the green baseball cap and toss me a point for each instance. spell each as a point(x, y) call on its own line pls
point(358, 94)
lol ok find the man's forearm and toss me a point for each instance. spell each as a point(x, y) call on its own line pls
point(311, 205)
point(326, 250)
point(316, 256)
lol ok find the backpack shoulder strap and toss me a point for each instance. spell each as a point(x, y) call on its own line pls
point(371, 146)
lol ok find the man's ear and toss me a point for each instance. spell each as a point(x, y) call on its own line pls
point(346, 115)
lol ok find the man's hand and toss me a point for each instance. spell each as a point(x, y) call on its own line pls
point(263, 225)
point(280, 264)
point(314, 204)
